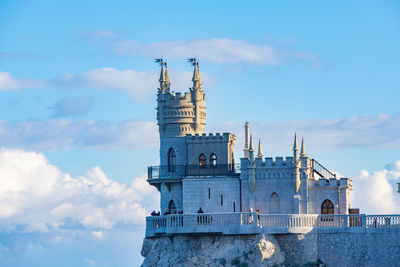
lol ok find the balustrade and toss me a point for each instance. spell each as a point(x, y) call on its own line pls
point(239, 222)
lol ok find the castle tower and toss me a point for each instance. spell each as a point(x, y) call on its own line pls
point(179, 114)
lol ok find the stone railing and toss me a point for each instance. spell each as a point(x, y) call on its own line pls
point(252, 223)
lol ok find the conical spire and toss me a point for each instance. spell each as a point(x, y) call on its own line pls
point(295, 149)
point(167, 81)
point(251, 148)
point(303, 149)
point(259, 154)
point(196, 76)
point(295, 145)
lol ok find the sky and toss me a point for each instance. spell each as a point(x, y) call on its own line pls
point(78, 94)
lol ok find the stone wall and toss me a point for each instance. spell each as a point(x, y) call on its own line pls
point(344, 247)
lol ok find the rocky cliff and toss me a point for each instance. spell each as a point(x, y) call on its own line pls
point(200, 250)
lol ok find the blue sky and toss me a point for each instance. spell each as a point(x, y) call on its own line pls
point(77, 104)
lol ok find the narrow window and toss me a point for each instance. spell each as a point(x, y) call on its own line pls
point(202, 161)
point(171, 160)
point(209, 193)
point(213, 161)
point(222, 200)
point(171, 207)
point(234, 207)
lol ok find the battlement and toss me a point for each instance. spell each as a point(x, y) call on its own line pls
point(332, 182)
point(211, 138)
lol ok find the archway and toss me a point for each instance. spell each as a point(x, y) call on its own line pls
point(274, 204)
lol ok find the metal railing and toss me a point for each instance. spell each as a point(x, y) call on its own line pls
point(321, 170)
point(178, 171)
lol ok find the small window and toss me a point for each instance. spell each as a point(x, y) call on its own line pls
point(222, 200)
point(202, 161)
point(234, 206)
point(213, 161)
point(209, 193)
point(171, 160)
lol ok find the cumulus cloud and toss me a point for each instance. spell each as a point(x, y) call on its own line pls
point(220, 50)
point(376, 193)
point(7, 82)
point(37, 196)
point(367, 131)
point(67, 134)
point(72, 106)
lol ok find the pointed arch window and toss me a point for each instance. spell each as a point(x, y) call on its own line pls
point(327, 207)
point(171, 160)
point(274, 204)
point(213, 161)
point(171, 207)
point(202, 161)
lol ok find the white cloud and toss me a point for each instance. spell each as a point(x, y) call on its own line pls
point(220, 50)
point(367, 131)
point(7, 82)
point(67, 134)
point(37, 196)
point(376, 193)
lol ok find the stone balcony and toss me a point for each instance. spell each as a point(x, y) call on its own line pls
point(254, 223)
point(180, 171)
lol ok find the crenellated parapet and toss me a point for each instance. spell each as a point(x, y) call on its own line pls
point(181, 114)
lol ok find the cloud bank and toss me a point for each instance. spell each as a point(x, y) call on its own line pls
point(137, 84)
point(369, 131)
point(66, 134)
point(37, 196)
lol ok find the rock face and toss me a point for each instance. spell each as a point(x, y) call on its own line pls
point(198, 250)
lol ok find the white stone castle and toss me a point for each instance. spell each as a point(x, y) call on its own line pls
point(198, 172)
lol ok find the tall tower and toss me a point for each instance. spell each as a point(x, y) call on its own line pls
point(177, 114)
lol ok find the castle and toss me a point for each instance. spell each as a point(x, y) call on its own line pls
point(198, 172)
point(259, 212)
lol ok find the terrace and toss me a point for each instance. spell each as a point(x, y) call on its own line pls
point(254, 223)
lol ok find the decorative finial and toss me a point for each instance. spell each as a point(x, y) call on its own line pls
point(259, 154)
point(303, 149)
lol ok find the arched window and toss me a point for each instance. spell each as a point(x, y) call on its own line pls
point(327, 207)
point(274, 204)
point(171, 160)
point(171, 207)
point(202, 160)
point(213, 160)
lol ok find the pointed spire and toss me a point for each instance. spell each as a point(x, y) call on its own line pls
point(259, 154)
point(295, 145)
point(167, 81)
point(303, 149)
point(295, 149)
point(251, 149)
point(196, 76)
